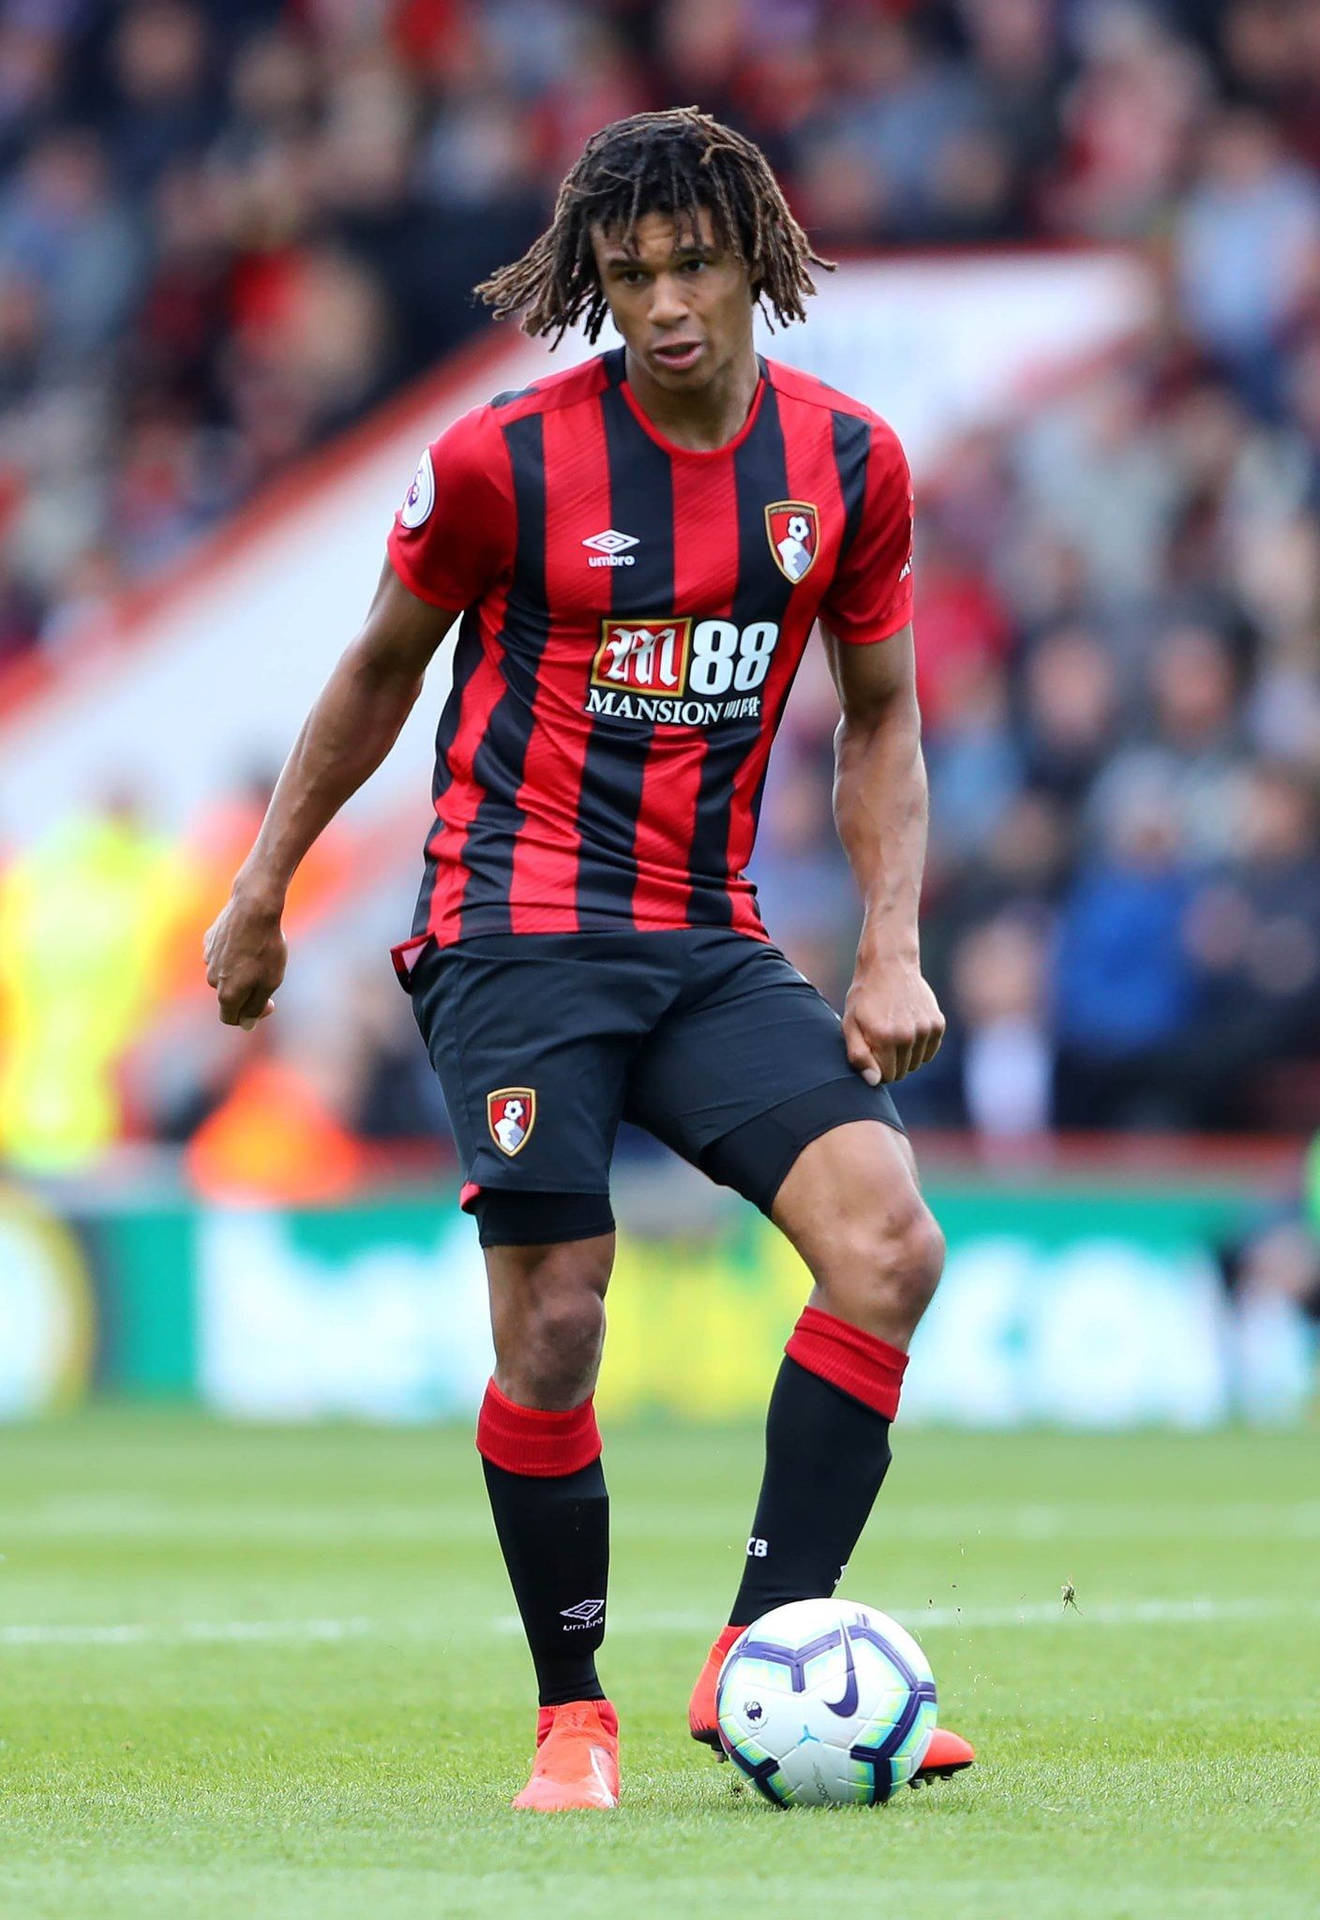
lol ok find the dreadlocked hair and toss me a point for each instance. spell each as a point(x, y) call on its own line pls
point(676, 163)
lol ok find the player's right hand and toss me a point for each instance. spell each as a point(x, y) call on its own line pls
point(246, 954)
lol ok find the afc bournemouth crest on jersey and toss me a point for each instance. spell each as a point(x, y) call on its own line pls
point(793, 529)
point(511, 1115)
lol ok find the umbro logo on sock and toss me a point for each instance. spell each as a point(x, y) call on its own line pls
point(585, 1614)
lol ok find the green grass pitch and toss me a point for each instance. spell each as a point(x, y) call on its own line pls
point(272, 1674)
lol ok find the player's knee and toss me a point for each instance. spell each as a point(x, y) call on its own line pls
point(892, 1269)
point(552, 1354)
point(566, 1332)
point(918, 1261)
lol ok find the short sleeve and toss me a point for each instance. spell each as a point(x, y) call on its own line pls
point(871, 594)
point(453, 537)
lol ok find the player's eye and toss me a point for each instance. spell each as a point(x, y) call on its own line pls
point(693, 266)
point(631, 276)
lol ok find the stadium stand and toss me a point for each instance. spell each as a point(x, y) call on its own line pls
point(228, 231)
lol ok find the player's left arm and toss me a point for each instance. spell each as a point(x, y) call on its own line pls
point(892, 1023)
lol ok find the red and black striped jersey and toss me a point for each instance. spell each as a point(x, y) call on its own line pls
point(634, 615)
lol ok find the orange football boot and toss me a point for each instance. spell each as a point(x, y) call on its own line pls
point(701, 1707)
point(946, 1755)
point(577, 1759)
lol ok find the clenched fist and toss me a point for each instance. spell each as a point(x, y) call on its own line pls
point(246, 955)
point(892, 1023)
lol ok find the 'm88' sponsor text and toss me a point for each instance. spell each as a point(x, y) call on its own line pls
point(679, 672)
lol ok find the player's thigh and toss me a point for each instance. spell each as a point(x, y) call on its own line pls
point(530, 1037)
point(749, 1069)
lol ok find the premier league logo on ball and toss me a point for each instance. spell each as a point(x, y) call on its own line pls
point(794, 534)
point(511, 1115)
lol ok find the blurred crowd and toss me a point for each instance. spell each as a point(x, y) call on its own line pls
point(226, 231)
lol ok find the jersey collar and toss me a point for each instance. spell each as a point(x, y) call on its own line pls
point(652, 432)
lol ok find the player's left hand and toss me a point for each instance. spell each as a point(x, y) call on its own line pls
point(892, 1022)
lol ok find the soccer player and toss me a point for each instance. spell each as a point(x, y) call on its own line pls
point(640, 548)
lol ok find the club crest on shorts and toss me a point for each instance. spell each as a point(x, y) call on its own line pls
point(511, 1115)
point(793, 530)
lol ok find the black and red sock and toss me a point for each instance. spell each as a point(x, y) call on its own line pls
point(826, 1454)
point(552, 1516)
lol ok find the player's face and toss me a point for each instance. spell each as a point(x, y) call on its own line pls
point(682, 304)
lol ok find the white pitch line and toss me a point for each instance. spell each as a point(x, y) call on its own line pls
point(1115, 1613)
point(1118, 1613)
point(191, 1632)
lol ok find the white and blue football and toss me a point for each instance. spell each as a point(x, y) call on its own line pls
point(826, 1703)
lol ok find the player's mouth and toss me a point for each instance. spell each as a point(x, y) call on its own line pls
point(676, 356)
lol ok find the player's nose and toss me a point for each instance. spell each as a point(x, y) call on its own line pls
point(668, 304)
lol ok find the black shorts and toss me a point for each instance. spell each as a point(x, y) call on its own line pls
point(544, 1042)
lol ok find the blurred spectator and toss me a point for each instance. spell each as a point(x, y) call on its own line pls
point(280, 1133)
point(18, 617)
point(1125, 987)
point(86, 921)
point(1128, 115)
point(62, 224)
point(974, 767)
point(803, 883)
point(1096, 477)
point(1254, 932)
point(1018, 66)
point(262, 217)
point(1001, 1005)
point(1248, 244)
point(30, 61)
point(164, 106)
point(396, 1095)
point(965, 627)
point(1070, 713)
point(1192, 766)
point(226, 231)
point(1027, 860)
point(22, 312)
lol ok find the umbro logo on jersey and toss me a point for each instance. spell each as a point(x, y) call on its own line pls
point(585, 1614)
point(610, 549)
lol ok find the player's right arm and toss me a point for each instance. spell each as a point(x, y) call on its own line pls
point(352, 726)
point(451, 540)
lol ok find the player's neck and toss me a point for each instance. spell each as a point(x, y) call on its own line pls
point(707, 418)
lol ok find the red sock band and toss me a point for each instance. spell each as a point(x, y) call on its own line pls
point(532, 1441)
point(855, 1362)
